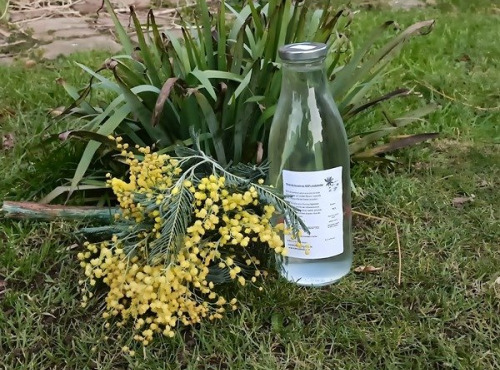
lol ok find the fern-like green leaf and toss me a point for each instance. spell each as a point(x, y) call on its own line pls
point(176, 214)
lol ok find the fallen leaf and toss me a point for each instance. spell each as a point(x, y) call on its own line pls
point(367, 269)
point(30, 63)
point(72, 246)
point(459, 202)
point(463, 58)
point(8, 141)
point(57, 111)
point(484, 184)
point(7, 112)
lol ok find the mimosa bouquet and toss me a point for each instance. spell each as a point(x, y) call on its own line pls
point(186, 224)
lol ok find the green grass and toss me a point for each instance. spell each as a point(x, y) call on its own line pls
point(446, 313)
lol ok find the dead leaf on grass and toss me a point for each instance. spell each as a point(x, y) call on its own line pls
point(496, 285)
point(7, 141)
point(484, 184)
point(7, 112)
point(459, 202)
point(30, 63)
point(56, 112)
point(463, 58)
point(367, 269)
point(3, 286)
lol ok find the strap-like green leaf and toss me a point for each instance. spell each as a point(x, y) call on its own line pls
point(221, 34)
point(78, 97)
point(222, 75)
point(106, 129)
point(240, 20)
point(144, 114)
point(213, 126)
point(86, 136)
point(398, 143)
point(358, 144)
point(256, 18)
point(120, 31)
point(285, 20)
point(362, 107)
point(107, 83)
point(180, 54)
point(159, 46)
point(242, 86)
point(149, 59)
point(207, 33)
point(194, 54)
point(345, 79)
point(205, 82)
point(67, 189)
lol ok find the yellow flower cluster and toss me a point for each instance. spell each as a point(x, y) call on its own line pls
point(154, 297)
point(151, 176)
point(228, 226)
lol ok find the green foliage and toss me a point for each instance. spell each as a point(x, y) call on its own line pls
point(222, 79)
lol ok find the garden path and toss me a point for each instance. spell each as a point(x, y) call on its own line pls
point(59, 28)
point(35, 30)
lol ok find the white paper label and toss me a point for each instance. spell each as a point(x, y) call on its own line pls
point(317, 195)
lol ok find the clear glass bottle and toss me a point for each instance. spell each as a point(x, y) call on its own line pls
point(309, 162)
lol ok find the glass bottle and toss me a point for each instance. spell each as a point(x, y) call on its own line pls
point(309, 163)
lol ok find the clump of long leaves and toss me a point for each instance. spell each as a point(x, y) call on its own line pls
point(222, 79)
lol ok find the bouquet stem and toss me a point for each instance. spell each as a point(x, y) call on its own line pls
point(46, 212)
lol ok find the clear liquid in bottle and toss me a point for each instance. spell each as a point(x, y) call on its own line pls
point(309, 163)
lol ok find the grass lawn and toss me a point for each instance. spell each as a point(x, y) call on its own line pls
point(444, 197)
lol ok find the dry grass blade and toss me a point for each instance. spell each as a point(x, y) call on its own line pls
point(384, 219)
point(483, 109)
point(3, 286)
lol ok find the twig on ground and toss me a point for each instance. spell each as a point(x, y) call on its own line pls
point(9, 44)
point(400, 259)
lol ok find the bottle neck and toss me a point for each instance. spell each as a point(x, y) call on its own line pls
point(300, 77)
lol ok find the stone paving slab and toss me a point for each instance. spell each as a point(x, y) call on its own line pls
point(406, 4)
point(48, 29)
point(68, 46)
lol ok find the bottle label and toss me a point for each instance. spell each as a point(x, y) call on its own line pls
point(317, 195)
